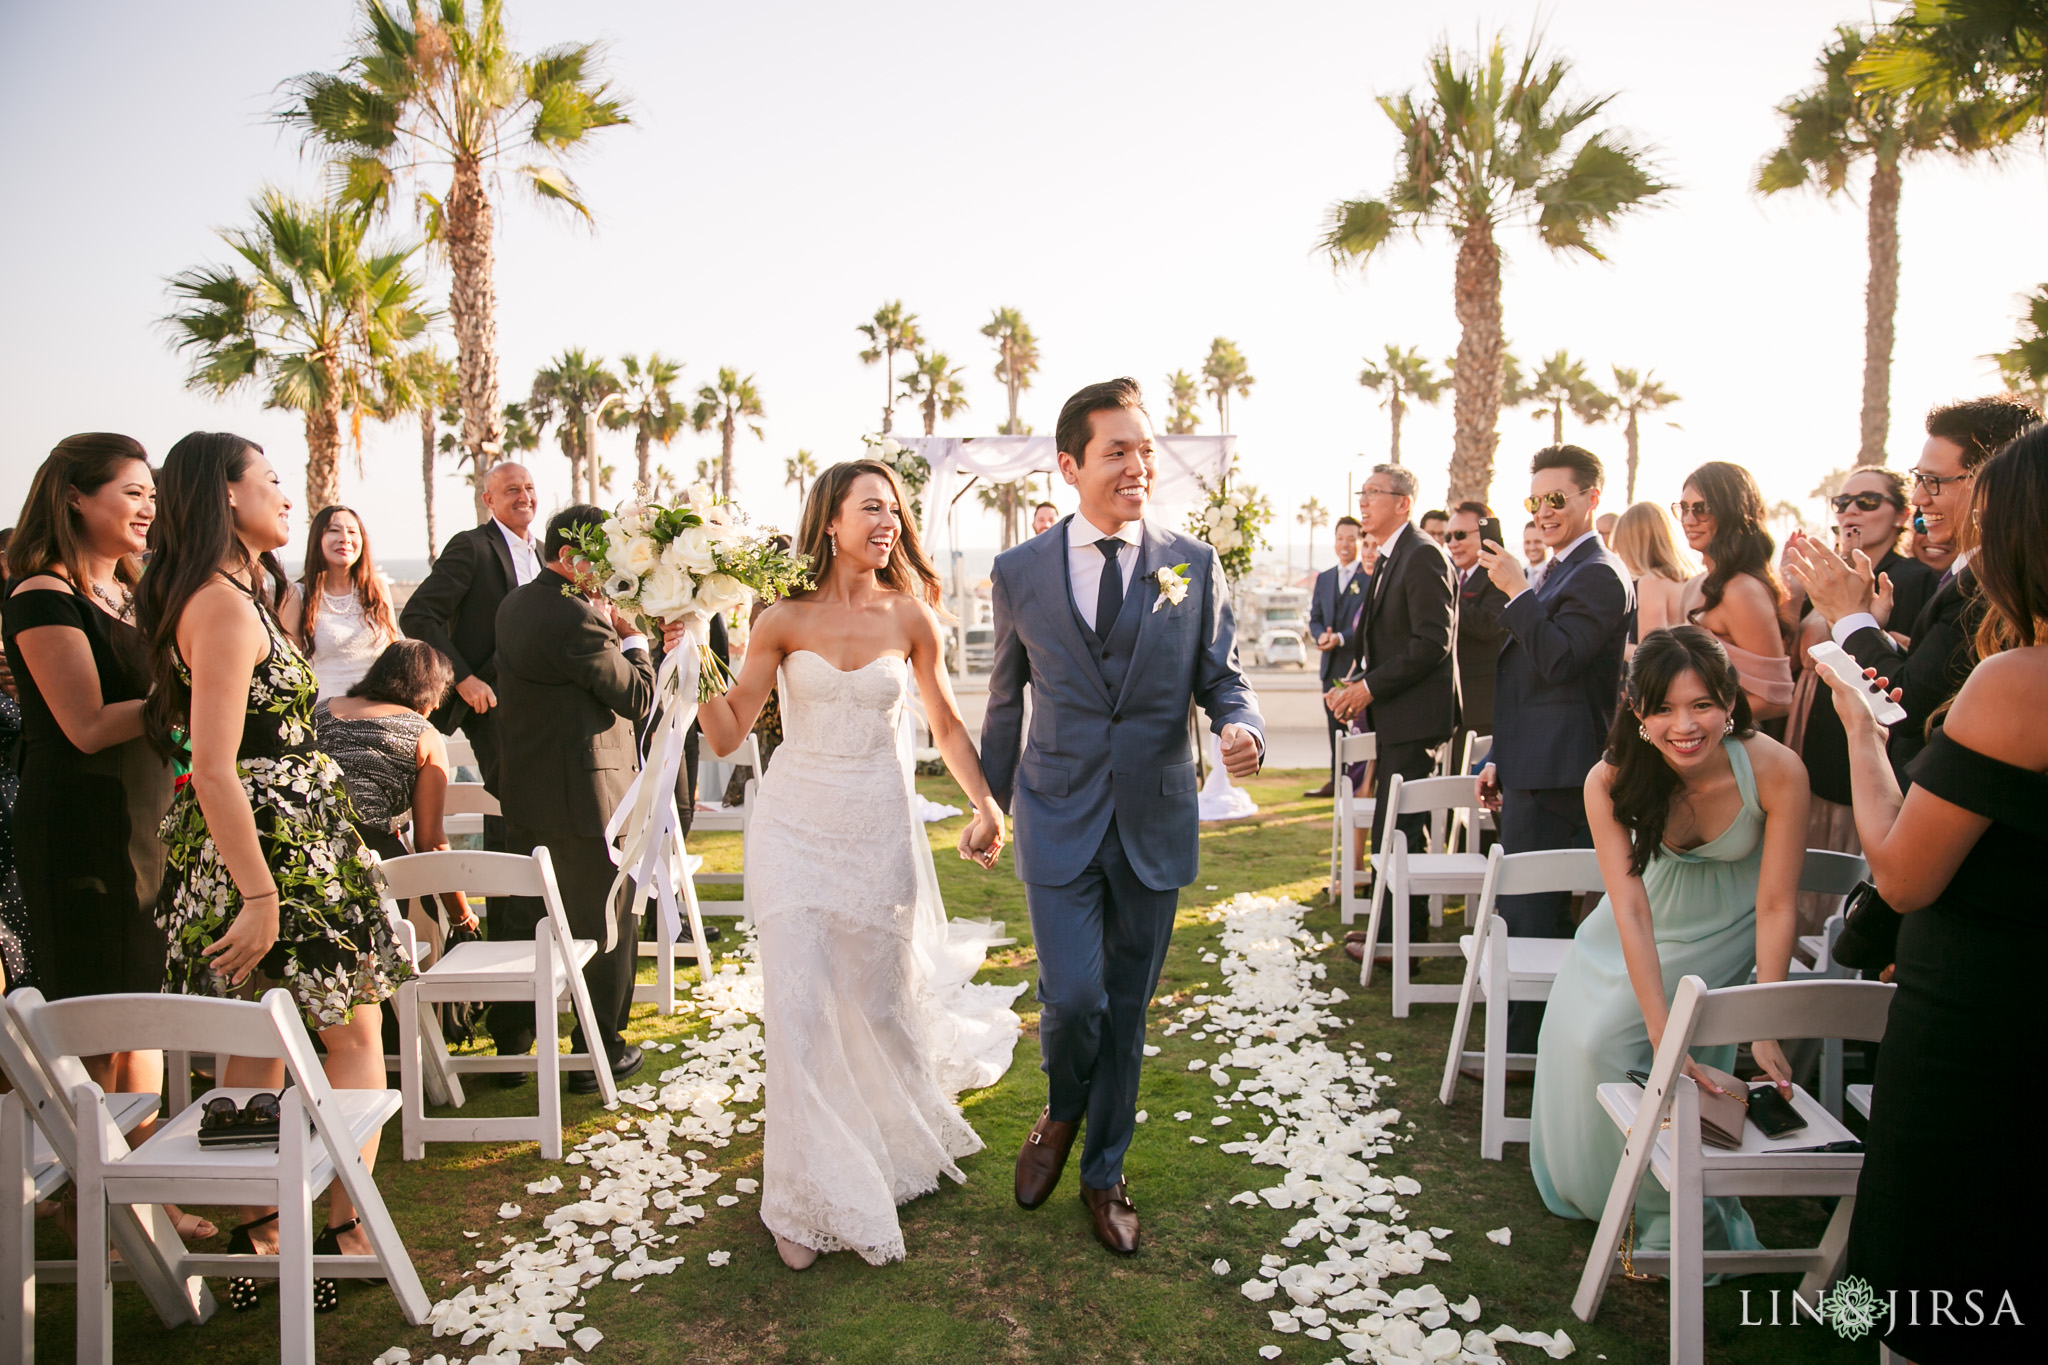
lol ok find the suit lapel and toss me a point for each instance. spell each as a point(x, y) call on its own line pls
point(1152, 557)
point(1066, 621)
point(503, 551)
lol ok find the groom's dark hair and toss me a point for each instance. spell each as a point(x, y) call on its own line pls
point(1075, 428)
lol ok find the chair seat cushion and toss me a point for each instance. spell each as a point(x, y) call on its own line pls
point(493, 960)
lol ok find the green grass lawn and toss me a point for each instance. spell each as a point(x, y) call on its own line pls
point(986, 1281)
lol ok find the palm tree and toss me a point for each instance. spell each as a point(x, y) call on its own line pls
point(723, 405)
point(1484, 148)
point(649, 410)
point(1314, 515)
point(520, 436)
point(571, 391)
point(316, 312)
point(1942, 53)
point(933, 383)
point(799, 469)
point(1186, 396)
point(1405, 375)
point(1560, 385)
point(446, 89)
point(1634, 395)
point(1016, 359)
point(1831, 126)
point(422, 382)
point(891, 331)
point(1227, 373)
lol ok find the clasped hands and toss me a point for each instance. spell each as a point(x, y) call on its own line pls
point(982, 840)
point(1347, 701)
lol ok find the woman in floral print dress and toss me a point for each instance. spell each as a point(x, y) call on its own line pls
point(267, 882)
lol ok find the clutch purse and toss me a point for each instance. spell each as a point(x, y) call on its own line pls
point(1869, 940)
point(1722, 1116)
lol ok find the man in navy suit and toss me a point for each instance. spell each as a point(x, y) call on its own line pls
point(1333, 620)
point(1555, 688)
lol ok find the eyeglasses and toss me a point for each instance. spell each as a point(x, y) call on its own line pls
point(1555, 501)
point(1864, 502)
point(1934, 483)
point(1370, 492)
point(1698, 511)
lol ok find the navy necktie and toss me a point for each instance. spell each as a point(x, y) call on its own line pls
point(1109, 593)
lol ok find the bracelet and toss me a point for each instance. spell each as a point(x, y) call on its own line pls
point(261, 896)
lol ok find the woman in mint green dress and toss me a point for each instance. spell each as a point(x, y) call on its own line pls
point(1700, 825)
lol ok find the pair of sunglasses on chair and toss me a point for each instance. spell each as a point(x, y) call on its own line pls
point(253, 1123)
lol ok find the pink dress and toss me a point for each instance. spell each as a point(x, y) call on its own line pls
point(1766, 677)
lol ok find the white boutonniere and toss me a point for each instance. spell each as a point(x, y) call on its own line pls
point(1173, 586)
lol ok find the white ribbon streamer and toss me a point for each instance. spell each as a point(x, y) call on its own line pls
point(653, 858)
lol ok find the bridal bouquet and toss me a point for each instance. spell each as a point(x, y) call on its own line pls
point(1233, 522)
point(695, 559)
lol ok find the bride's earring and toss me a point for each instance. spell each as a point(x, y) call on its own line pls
point(832, 544)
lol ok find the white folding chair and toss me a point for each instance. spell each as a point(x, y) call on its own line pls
point(1827, 873)
point(172, 1167)
point(38, 1143)
point(1859, 1099)
point(545, 970)
point(1351, 813)
point(1662, 1122)
point(1500, 968)
point(464, 809)
point(732, 820)
point(1400, 873)
point(461, 753)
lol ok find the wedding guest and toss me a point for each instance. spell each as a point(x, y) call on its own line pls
point(1605, 524)
point(14, 939)
point(1648, 545)
point(1554, 688)
point(339, 615)
point(1700, 825)
point(1959, 857)
point(1480, 632)
point(1721, 512)
point(1939, 558)
point(574, 676)
point(92, 790)
point(455, 609)
point(267, 882)
point(1870, 516)
point(1535, 552)
point(1334, 606)
point(1406, 688)
point(1960, 438)
point(1435, 522)
point(1042, 518)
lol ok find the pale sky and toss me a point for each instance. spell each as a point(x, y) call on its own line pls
point(1137, 178)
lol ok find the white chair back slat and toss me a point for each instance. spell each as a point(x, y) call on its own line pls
point(1482, 749)
point(1826, 873)
point(470, 798)
point(1818, 1009)
point(417, 875)
point(1432, 794)
point(92, 1025)
point(461, 753)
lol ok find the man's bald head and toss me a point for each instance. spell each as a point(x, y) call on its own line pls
point(509, 495)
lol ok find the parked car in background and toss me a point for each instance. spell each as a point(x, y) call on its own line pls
point(1279, 647)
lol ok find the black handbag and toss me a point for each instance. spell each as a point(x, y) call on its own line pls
point(1869, 940)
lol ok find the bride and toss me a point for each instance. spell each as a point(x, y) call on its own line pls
point(863, 1057)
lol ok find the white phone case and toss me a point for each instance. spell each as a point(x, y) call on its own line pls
point(1843, 665)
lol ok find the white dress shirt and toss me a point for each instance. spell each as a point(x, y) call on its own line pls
point(1345, 574)
point(1085, 561)
point(525, 559)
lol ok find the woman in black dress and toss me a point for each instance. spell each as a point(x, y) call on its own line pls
point(92, 790)
point(1950, 1202)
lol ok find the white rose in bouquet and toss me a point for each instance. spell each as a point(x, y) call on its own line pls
point(690, 550)
point(1219, 517)
point(666, 593)
point(889, 450)
point(720, 592)
point(615, 531)
point(642, 553)
point(1225, 540)
point(1235, 502)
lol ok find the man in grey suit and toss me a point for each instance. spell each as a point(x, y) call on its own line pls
point(1335, 610)
point(573, 678)
point(1116, 623)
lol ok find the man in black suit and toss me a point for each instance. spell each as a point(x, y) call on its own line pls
point(1480, 632)
point(1930, 671)
point(1333, 617)
point(456, 611)
point(1407, 686)
point(573, 678)
point(1555, 688)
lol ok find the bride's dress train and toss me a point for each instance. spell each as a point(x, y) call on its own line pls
point(871, 1018)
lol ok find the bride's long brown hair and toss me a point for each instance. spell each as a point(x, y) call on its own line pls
point(908, 570)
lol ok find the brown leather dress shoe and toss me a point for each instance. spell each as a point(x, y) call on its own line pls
point(1327, 789)
point(1043, 1158)
point(1116, 1217)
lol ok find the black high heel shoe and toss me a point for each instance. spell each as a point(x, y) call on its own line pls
point(327, 1292)
point(243, 1291)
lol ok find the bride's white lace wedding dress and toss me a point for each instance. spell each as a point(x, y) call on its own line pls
point(871, 1019)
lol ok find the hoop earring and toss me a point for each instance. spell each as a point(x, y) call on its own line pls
point(1644, 731)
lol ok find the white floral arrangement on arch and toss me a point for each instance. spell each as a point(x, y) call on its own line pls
point(1232, 521)
point(912, 468)
point(695, 558)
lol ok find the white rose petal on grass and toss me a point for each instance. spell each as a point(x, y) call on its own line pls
point(1199, 1141)
point(746, 1186)
point(1468, 1310)
point(1181, 1116)
point(1258, 1291)
point(1269, 1353)
point(1151, 1049)
point(726, 1201)
point(586, 1338)
point(1384, 1056)
point(718, 1258)
point(508, 1210)
point(1141, 1116)
point(1501, 1236)
point(1220, 1121)
point(1196, 1064)
point(1219, 1266)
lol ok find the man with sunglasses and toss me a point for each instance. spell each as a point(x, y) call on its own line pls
point(1479, 602)
point(1555, 689)
point(1858, 605)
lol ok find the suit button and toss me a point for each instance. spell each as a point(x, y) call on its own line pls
point(1105, 654)
point(1117, 719)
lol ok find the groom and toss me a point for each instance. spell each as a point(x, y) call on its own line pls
point(1116, 623)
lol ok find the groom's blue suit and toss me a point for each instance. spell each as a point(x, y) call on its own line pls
point(1102, 794)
